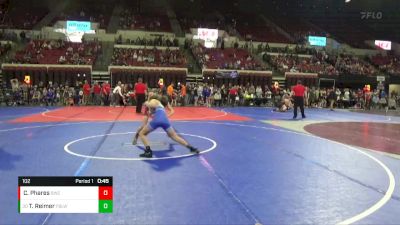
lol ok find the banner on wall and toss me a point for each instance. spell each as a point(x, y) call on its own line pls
point(227, 74)
point(209, 36)
point(380, 78)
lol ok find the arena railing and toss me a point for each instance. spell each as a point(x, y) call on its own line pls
point(145, 46)
point(150, 75)
point(244, 76)
point(60, 74)
point(308, 79)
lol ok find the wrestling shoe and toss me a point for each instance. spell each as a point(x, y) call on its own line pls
point(193, 149)
point(147, 154)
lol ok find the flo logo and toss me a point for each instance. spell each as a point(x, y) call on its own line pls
point(371, 15)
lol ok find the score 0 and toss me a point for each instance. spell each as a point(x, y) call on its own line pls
point(105, 196)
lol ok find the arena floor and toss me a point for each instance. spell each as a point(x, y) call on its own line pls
point(255, 166)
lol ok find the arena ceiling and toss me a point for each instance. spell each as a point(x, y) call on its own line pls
point(382, 18)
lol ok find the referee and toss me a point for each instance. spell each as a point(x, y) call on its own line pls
point(140, 93)
point(298, 92)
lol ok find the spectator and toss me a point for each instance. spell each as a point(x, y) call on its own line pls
point(233, 95)
point(117, 95)
point(97, 93)
point(206, 95)
point(105, 92)
point(140, 93)
point(217, 97)
point(170, 92)
point(86, 93)
point(183, 94)
point(332, 98)
point(298, 92)
point(50, 97)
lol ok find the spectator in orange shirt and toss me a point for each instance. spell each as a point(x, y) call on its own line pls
point(170, 92)
point(86, 93)
point(183, 94)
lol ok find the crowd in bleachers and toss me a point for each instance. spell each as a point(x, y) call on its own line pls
point(148, 57)
point(83, 16)
point(4, 48)
point(206, 20)
point(294, 63)
point(130, 20)
point(189, 22)
point(353, 65)
point(157, 41)
point(389, 64)
point(318, 61)
point(227, 58)
point(96, 11)
point(4, 7)
point(8, 35)
point(22, 17)
point(58, 52)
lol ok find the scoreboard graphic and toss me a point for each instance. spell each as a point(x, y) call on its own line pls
point(65, 195)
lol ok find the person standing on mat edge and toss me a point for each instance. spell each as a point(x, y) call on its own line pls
point(117, 95)
point(86, 93)
point(140, 93)
point(332, 98)
point(298, 92)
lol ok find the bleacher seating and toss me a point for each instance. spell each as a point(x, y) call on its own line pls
point(293, 63)
point(157, 41)
point(4, 48)
point(228, 58)
point(352, 65)
point(58, 52)
point(347, 31)
point(144, 21)
point(93, 11)
point(261, 33)
point(299, 30)
point(254, 28)
point(23, 17)
point(206, 21)
point(389, 64)
point(148, 57)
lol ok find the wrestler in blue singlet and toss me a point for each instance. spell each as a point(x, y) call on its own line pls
point(159, 118)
